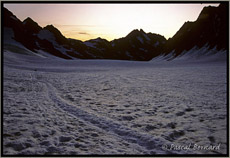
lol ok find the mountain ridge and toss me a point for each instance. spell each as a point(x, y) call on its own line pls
point(137, 45)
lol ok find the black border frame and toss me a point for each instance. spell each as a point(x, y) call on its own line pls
point(115, 2)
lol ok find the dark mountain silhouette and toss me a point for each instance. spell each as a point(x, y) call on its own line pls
point(138, 45)
point(31, 26)
point(209, 30)
point(26, 33)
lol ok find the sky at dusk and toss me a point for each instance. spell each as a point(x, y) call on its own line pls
point(109, 21)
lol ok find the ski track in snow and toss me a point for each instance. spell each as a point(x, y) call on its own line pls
point(112, 107)
point(108, 125)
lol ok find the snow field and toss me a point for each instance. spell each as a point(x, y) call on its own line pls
point(53, 106)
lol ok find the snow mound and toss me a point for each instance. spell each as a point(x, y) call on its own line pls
point(203, 54)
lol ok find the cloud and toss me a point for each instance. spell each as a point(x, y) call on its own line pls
point(76, 26)
point(83, 33)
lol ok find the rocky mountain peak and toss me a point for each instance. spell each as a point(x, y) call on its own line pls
point(31, 25)
point(58, 35)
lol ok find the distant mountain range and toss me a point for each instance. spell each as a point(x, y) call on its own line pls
point(210, 30)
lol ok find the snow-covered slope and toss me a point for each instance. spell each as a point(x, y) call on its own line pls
point(196, 54)
point(11, 45)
